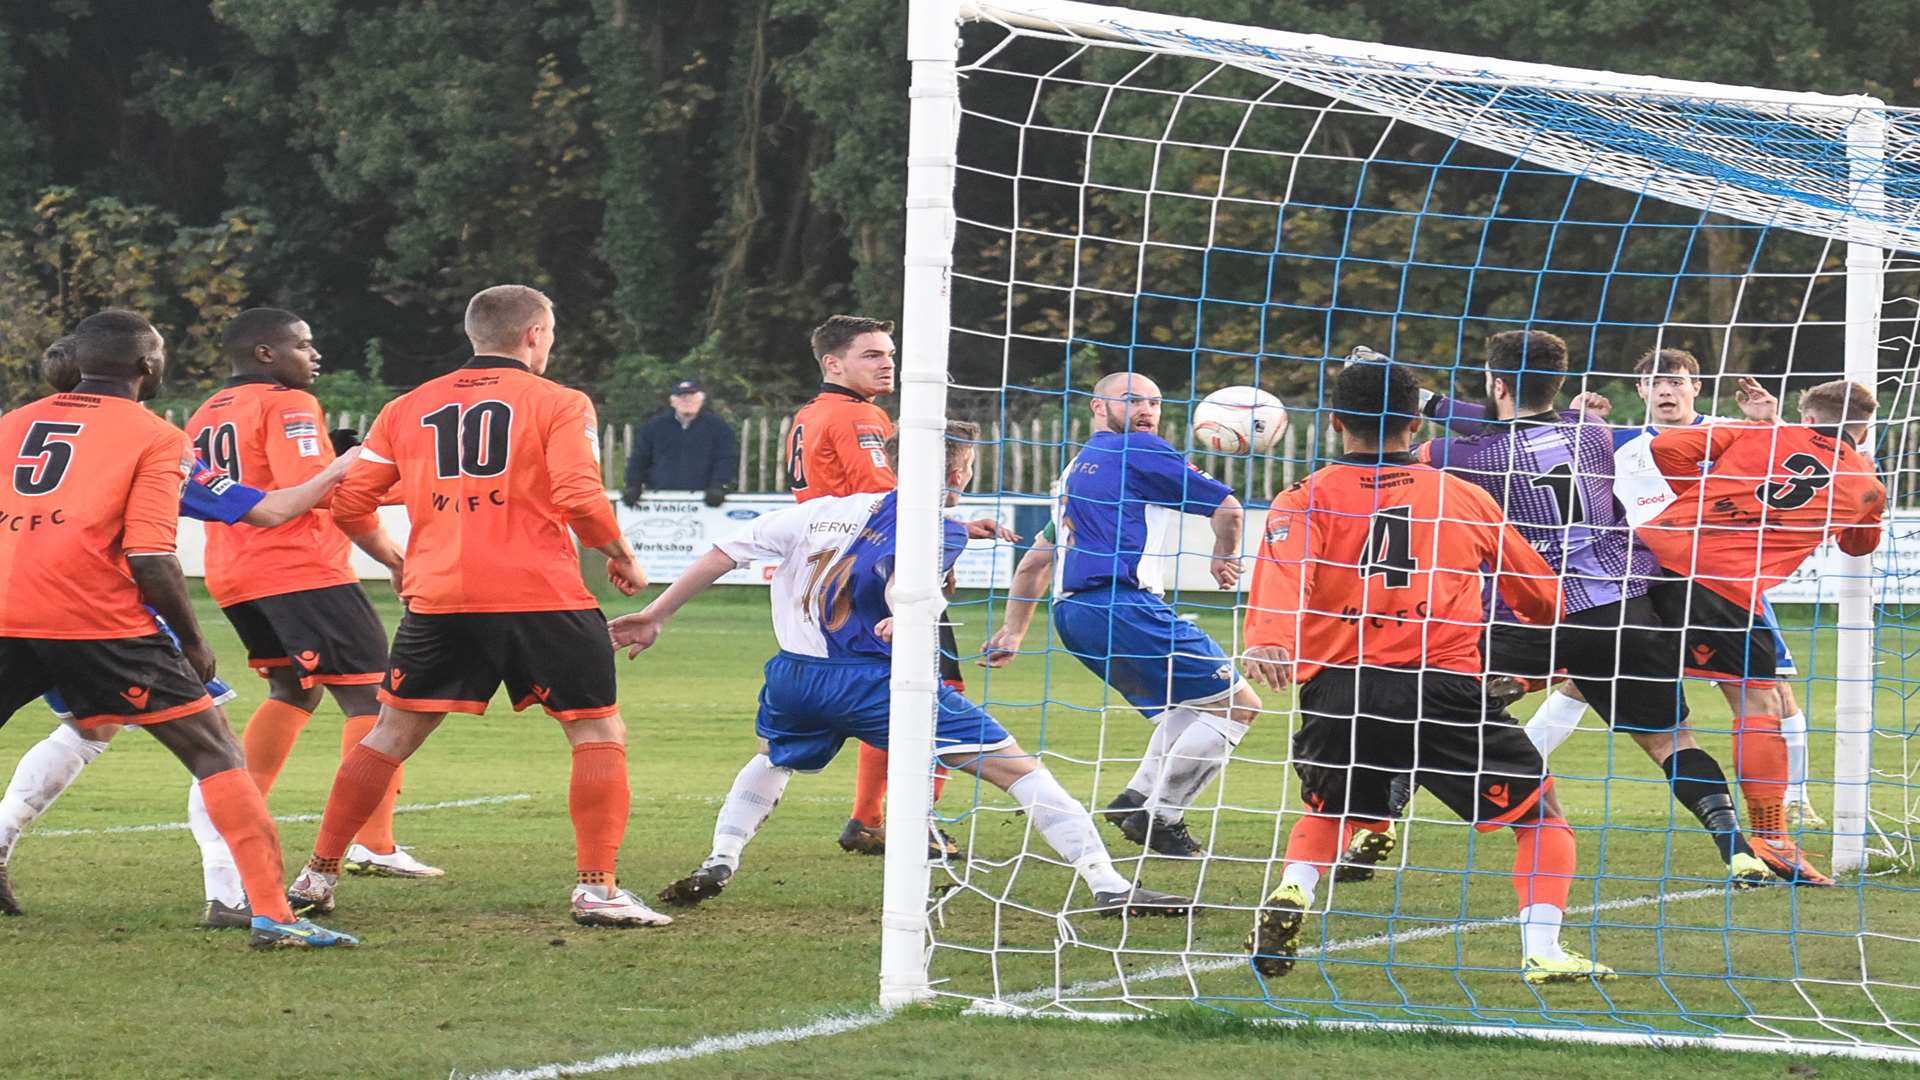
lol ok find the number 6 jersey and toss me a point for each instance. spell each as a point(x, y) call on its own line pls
point(1773, 495)
point(495, 464)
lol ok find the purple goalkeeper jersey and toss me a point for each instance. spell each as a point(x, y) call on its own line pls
point(1554, 477)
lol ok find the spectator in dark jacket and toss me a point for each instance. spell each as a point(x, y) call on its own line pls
point(684, 449)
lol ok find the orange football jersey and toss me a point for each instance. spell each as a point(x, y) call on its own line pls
point(265, 435)
point(838, 446)
point(494, 464)
point(1752, 501)
point(1378, 560)
point(89, 480)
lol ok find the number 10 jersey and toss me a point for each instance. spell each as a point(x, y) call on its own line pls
point(495, 465)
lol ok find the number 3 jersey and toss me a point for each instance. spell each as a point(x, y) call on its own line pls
point(495, 464)
point(257, 432)
point(836, 556)
point(1554, 477)
point(1773, 495)
point(88, 481)
point(1381, 561)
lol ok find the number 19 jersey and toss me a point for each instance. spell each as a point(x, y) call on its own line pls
point(836, 556)
point(495, 464)
point(257, 432)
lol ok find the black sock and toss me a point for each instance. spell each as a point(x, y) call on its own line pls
point(1700, 786)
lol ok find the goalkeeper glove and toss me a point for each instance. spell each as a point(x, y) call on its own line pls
point(343, 439)
point(631, 497)
point(716, 495)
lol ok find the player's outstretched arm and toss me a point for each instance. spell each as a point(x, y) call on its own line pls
point(637, 632)
point(284, 504)
point(1023, 600)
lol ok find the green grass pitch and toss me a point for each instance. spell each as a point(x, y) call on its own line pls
point(482, 970)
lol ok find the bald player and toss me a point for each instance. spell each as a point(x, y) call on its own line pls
point(92, 501)
point(289, 591)
point(1116, 500)
point(500, 471)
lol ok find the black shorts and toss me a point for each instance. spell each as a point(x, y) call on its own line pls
point(453, 663)
point(1623, 657)
point(1361, 728)
point(142, 680)
point(950, 672)
point(1723, 640)
point(328, 636)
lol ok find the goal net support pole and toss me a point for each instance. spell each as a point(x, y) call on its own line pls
point(1854, 652)
point(932, 48)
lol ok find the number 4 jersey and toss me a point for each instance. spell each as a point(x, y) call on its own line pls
point(1773, 494)
point(257, 432)
point(89, 479)
point(495, 465)
point(1381, 561)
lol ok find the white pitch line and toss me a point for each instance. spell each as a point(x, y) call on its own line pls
point(175, 826)
point(1174, 971)
point(717, 1044)
point(840, 1024)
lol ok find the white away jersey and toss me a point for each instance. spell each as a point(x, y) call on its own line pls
point(836, 556)
point(1637, 482)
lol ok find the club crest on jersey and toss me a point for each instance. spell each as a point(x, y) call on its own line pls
point(1280, 529)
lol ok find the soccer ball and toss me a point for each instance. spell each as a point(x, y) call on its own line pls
point(1238, 419)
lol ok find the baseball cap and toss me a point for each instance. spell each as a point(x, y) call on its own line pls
point(686, 386)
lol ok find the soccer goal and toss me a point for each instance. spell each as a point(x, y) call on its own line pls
point(1095, 189)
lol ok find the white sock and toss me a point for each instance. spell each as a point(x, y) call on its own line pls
point(1068, 829)
point(1794, 730)
point(755, 792)
point(1540, 931)
point(1304, 874)
point(217, 871)
point(45, 771)
point(1193, 760)
point(1557, 718)
point(1148, 774)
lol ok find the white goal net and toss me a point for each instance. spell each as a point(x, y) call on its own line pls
point(1096, 190)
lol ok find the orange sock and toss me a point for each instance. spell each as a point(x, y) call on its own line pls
point(1760, 763)
point(1315, 839)
point(599, 800)
point(269, 738)
point(939, 780)
point(239, 811)
point(1543, 863)
point(358, 788)
point(377, 834)
point(870, 787)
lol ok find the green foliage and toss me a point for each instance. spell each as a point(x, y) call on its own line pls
point(80, 255)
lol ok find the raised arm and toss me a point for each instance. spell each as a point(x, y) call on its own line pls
point(1029, 587)
point(282, 505)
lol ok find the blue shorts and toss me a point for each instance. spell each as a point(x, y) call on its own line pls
point(1783, 663)
point(1133, 640)
point(810, 705)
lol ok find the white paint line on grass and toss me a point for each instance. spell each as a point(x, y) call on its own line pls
point(176, 826)
point(1223, 963)
point(845, 1022)
point(717, 1044)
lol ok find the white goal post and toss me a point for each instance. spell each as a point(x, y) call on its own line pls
point(1617, 139)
